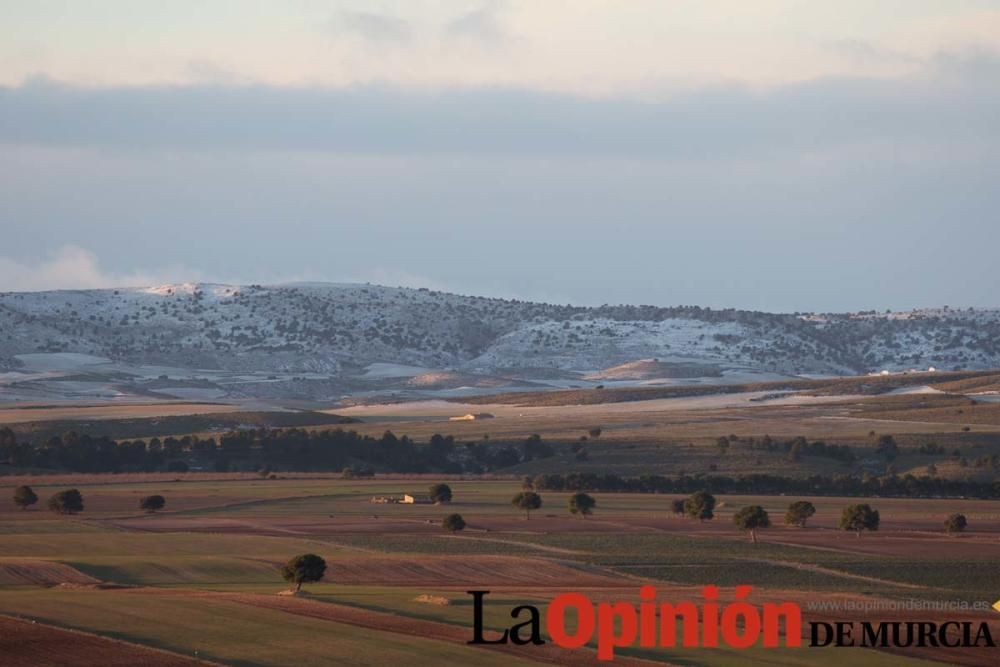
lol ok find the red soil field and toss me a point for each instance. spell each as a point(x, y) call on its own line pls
point(29, 644)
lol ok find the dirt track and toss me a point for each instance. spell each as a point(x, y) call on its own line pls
point(29, 644)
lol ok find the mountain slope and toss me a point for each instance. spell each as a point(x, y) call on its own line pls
point(332, 332)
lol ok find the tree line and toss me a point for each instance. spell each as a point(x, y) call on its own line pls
point(255, 449)
point(906, 486)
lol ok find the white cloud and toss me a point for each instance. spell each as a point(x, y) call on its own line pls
point(72, 267)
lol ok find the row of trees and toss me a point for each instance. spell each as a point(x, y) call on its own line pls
point(70, 501)
point(794, 449)
point(855, 517)
point(289, 449)
point(906, 486)
point(701, 506)
point(579, 503)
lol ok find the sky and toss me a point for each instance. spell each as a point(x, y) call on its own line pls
point(782, 155)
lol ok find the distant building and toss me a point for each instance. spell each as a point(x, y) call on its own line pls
point(471, 417)
point(410, 499)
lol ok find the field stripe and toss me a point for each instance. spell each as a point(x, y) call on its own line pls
point(386, 622)
point(28, 643)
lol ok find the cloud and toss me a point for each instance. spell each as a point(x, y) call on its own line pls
point(956, 104)
point(481, 25)
point(373, 27)
point(72, 267)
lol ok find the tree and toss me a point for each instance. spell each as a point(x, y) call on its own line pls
point(955, 523)
point(859, 517)
point(887, 447)
point(24, 497)
point(700, 505)
point(798, 512)
point(582, 504)
point(304, 569)
point(677, 506)
point(751, 519)
point(454, 523)
point(152, 503)
point(440, 493)
point(527, 501)
point(66, 502)
point(527, 484)
point(595, 432)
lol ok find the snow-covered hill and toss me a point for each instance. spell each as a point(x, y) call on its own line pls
point(321, 340)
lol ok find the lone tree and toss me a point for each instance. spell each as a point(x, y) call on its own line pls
point(700, 505)
point(304, 569)
point(66, 502)
point(751, 519)
point(152, 503)
point(798, 513)
point(955, 523)
point(527, 501)
point(440, 493)
point(454, 523)
point(859, 517)
point(595, 432)
point(24, 497)
point(677, 506)
point(582, 504)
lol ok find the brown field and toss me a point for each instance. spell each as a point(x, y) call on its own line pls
point(20, 413)
point(31, 644)
point(19, 572)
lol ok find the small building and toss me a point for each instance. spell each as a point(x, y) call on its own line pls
point(414, 499)
point(384, 500)
point(471, 417)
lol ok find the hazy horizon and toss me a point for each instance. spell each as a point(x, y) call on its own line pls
point(774, 157)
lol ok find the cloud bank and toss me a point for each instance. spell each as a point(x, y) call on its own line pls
point(958, 104)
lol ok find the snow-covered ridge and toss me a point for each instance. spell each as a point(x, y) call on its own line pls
point(339, 330)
